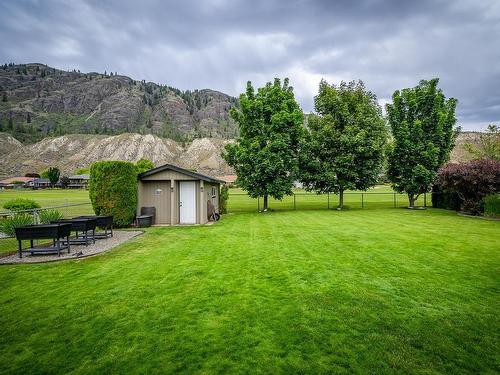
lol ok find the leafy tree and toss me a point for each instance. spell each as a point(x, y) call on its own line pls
point(10, 123)
point(64, 181)
point(344, 148)
point(144, 165)
point(52, 174)
point(472, 181)
point(265, 156)
point(488, 146)
point(422, 122)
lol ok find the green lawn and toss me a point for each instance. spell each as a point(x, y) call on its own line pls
point(77, 200)
point(366, 291)
point(53, 197)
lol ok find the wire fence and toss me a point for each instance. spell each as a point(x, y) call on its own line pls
point(68, 210)
point(241, 202)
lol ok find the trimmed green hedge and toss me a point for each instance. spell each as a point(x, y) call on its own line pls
point(18, 204)
point(492, 205)
point(113, 190)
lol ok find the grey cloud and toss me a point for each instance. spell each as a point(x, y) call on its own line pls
point(221, 44)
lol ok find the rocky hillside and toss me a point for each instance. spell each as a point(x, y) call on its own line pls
point(70, 152)
point(37, 101)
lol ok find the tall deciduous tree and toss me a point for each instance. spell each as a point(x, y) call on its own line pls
point(265, 156)
point(344, 148)
point(52, 174)
point(422, 122)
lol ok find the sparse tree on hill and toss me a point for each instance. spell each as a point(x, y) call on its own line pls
point(344, 148)
point(10, 123)
point(422, 122)
point(265, 156)
point(4, 97)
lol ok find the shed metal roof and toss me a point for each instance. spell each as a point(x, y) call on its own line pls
point(175, 168)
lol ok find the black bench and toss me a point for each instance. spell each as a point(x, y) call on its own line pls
point(54, 232)
point(103, 222)
point(84, 225)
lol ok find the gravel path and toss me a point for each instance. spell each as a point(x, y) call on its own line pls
point(77, 251)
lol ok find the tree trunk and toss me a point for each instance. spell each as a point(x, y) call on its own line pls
point(265, 203)
point(411, 198)
point(341, 198)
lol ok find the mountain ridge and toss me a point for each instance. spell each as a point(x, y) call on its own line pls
point(39, 101)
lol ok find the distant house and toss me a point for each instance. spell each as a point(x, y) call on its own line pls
point(16, 182)
point(78, 181)
point(229, 179)
point(39, 183)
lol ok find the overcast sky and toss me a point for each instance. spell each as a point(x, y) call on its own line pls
point(221, 44)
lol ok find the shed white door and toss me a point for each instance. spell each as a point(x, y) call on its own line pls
point(187, 202)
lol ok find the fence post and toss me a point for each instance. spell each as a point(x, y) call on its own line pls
point(394, 199)
point(362, 200)
point(328, 199)
point(294, 207)
point(36, 217)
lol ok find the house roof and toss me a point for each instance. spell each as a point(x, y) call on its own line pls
point(41, 181)
point(14, 179)
point(230, 178)
point(175, 168)
point(79, 177)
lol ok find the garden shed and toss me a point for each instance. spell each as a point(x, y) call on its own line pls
point(180, 196)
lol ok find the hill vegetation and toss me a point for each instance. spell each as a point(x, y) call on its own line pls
point(37, 101)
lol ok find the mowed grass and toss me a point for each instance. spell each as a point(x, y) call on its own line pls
point(76, 200)
point(47, 197)
point(312, 291)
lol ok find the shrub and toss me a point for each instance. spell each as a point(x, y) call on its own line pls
point(445, 199)
point(224, 196)
point(8, 224)
point(19, 204)
point(492, 205)
point(113, 190)
point(472, 181)
point(47, 216)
